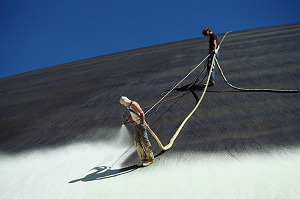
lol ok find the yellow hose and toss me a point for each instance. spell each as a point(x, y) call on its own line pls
point(168, 146)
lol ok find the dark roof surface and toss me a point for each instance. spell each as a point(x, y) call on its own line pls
point(62, 104)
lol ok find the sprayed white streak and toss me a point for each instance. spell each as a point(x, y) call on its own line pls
point(45, 174)
point(124, 138)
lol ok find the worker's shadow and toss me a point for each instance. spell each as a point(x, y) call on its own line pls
point(191, 88)
point(104, 172)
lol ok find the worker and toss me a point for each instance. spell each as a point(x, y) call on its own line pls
point(213, 50)
point(141, 141)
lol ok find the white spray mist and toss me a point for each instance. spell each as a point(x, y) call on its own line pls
point(124, 137)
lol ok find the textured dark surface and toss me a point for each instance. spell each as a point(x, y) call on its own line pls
point(62, 104)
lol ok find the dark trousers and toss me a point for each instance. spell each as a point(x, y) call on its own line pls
point(142, 143)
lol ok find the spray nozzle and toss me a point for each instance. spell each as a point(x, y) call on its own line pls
point(125, 121)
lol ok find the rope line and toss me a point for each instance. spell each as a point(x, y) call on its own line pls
point(177, 84)
point(180, 94)
point(121, 156)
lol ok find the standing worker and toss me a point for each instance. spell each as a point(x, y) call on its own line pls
point(141, 141)
point(213, 49)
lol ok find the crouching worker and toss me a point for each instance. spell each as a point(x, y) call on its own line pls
point(141, 140)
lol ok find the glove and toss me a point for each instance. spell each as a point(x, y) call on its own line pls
point(124, 121)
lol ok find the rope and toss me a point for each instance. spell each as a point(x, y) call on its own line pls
point(168, 146)
point(253, 89)
point(121, 156)
point(160, 101)
point(177, 84)
point(180, 94)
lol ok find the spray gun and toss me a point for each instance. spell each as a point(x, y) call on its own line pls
point(125, 121)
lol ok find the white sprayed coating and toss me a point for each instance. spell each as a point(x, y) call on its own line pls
point(47, 173)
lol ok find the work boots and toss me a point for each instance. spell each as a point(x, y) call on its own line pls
point(149, 159)
point(140, 164)
point(210, 84)
point(148, 162)
point(144, 163)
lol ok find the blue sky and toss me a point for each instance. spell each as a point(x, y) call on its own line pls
point(41, 33)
